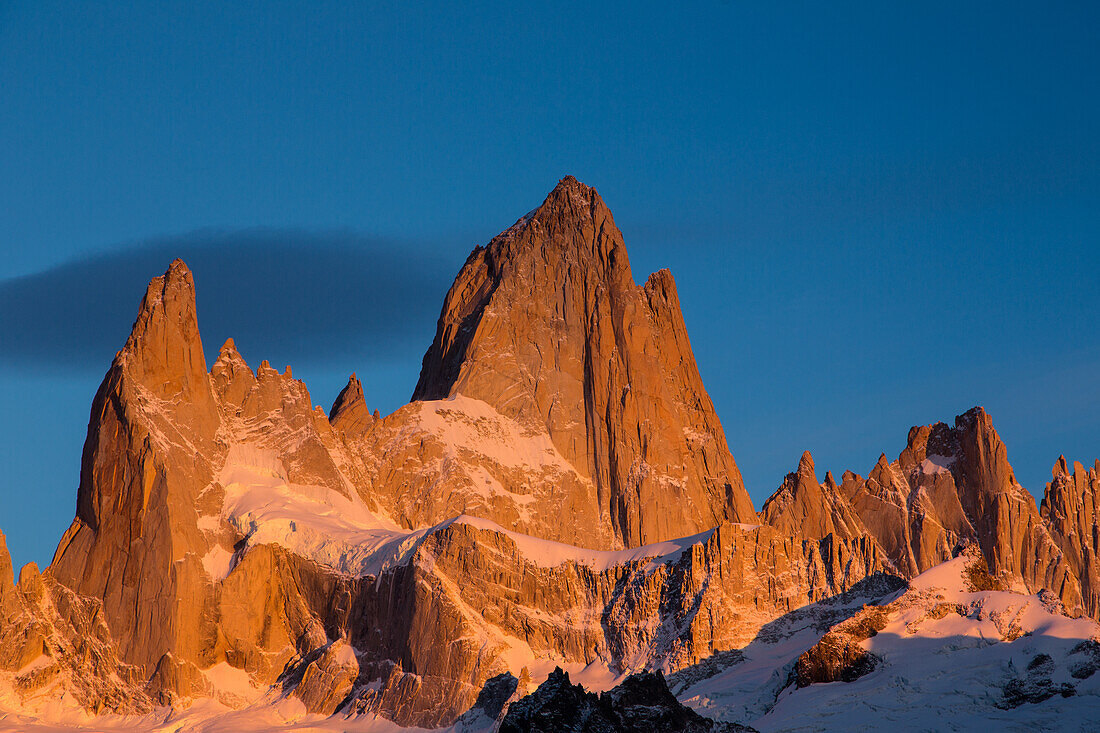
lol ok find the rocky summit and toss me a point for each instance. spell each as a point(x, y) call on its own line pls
point(552, 535)
point(546, 325)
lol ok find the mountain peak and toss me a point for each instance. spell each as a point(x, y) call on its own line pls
point(573, 225)
point(228, 355)
point(546, 325)
point(570, 195)
point(569, 187)
point(1060, 468)
point(803, 506)
point(147, 456)
point(7, 576)
point(164, 350)
point(349, 410)
point(983, 453)
point(570, 182)
point(806, 466)
point(232, 377)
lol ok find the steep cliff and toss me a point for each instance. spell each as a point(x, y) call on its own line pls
point(952, 485)
point(546, 325)
point(150, 451)
point(1071, 508)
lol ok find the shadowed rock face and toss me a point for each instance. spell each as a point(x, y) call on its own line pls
point(546, 325)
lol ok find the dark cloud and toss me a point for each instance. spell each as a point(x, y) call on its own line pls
point(300, 295)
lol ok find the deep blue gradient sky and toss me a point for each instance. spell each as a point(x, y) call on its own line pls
point(878, 214)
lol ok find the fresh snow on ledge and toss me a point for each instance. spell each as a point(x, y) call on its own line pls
point(342, 534)
point(548, 554)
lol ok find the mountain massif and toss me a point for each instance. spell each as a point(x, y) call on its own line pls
point(557, 502)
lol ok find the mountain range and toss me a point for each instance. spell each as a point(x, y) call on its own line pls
point(551, 535)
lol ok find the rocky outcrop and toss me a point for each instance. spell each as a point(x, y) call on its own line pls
point(56, 646)
point(546, 325)
point(349, 412)
point(641, 704)
point(838, 657)
point(952, 486)
point(7, 576)
point(909, 507)
point(1010, 530)
point(1071, 509)
point(1035, 685)
point(804, 506)
point(328, 678)
point(150, 451)
point(912, 505)
point(492, 703)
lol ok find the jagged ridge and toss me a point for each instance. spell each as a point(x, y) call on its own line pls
point(227, 527)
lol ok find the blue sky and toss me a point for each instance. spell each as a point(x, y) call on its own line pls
point(878, 214)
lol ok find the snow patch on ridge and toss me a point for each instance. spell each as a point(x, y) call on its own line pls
point(937, 464)
point(342, 534)
point(312, 521)
point(548, 554)
point(464, 423)
point(468, 456)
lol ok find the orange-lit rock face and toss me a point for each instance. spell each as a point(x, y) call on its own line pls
point(803, 506)
point(175, 455)
point(231, 536)
point(546, 325)
point(1071, 506)
point(952, 485)
point(151, 450)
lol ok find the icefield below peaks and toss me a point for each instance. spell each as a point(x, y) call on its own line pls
point(340, 533)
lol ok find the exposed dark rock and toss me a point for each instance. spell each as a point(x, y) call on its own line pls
point(836, 658)
point(704, 669)
point(1085, 659)
point(1036, 686)
point(1018, 692)
point(641, 704)
point(491, 702)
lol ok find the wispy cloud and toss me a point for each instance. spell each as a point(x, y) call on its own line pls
point(281, 292)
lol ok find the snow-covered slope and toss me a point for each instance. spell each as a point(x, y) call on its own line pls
point(943, 656)
point(341, 534)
